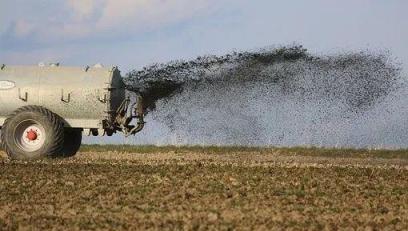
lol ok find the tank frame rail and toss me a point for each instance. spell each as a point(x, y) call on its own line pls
point(122, 120)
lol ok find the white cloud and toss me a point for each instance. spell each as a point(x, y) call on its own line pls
point(148, 13)
point(91, 18)
point(82, 9)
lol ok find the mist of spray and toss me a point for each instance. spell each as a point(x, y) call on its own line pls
point(281, 97)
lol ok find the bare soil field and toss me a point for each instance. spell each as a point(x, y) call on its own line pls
point(196, 188)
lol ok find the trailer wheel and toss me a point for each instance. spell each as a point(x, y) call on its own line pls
point(72, 141)
point(32, 132)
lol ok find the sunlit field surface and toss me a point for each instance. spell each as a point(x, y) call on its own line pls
point(139, 187)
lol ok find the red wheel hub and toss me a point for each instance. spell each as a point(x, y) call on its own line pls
point(32, 135)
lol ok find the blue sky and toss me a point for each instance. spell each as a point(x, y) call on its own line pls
point(133, 33)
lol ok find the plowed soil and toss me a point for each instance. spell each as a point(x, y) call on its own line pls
point(194, 190)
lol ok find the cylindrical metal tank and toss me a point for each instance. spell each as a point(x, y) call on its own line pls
point(84, 97)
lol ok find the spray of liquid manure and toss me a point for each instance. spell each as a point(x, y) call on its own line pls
point(278, 96)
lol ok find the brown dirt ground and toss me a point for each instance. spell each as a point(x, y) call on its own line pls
point(196, 191)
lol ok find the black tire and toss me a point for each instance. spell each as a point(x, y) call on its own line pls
point(51, 130)
point(72, 141)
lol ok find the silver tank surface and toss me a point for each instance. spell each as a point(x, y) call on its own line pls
point(45, 110)
point(85, 98)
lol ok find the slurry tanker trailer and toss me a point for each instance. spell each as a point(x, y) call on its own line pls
point(45, 109)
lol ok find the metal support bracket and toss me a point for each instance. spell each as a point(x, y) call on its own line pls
point(103, 98)
point(65, 99)
point(23, 97)
point(123, 121)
